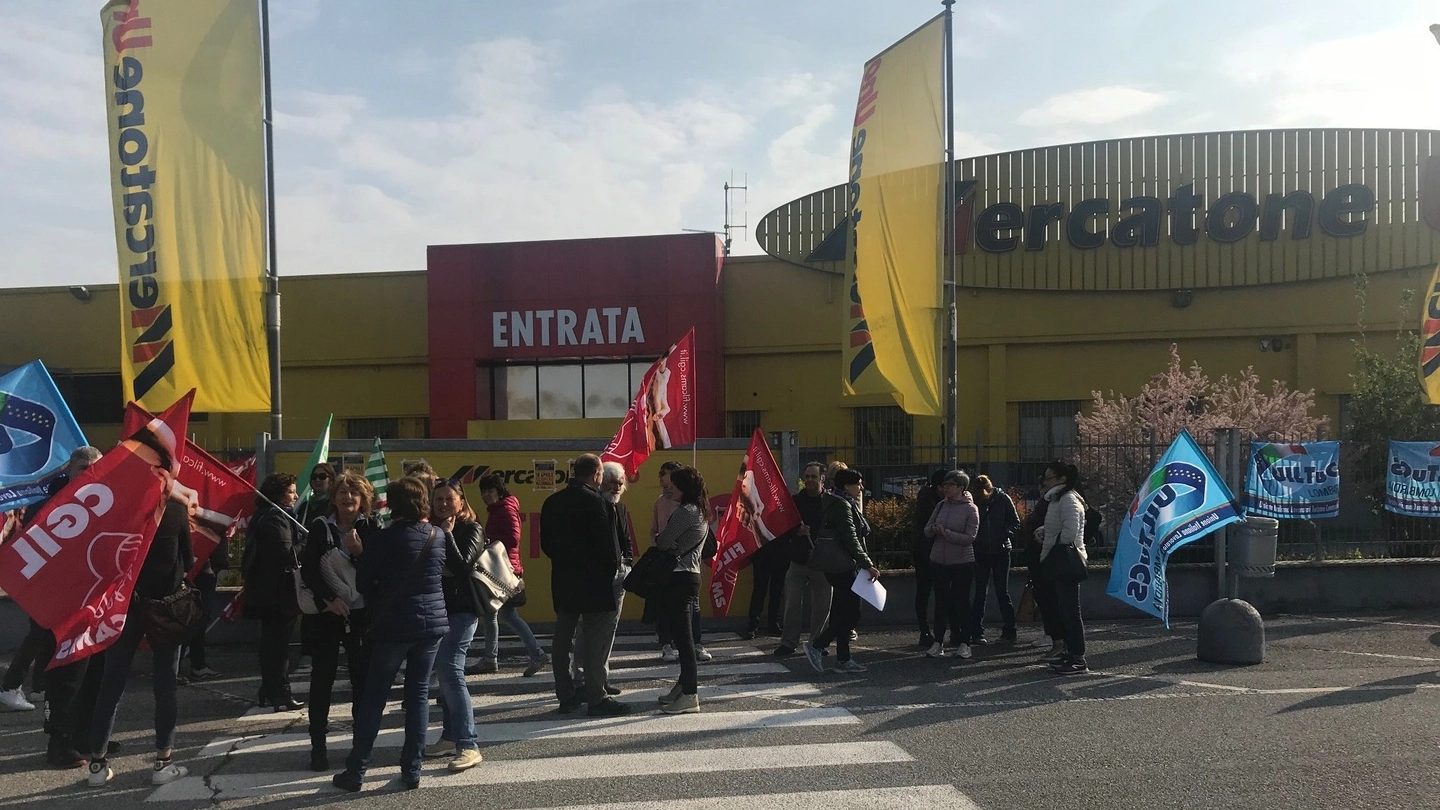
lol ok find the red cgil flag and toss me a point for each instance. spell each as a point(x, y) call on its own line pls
point(74, 567)
point(663, 413)
point(760, 510)
point(220, 500)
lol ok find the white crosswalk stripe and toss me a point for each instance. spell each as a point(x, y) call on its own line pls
point(758, 718)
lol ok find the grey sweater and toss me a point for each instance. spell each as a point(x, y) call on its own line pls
point(684, 534)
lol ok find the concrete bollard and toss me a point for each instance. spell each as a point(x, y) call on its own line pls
point(1231, 632)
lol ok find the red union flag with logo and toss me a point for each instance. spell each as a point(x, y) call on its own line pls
point(759, 511)
point(221, 501)
point(663, 413)
point(74, 567)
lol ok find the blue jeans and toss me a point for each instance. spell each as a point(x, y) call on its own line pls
point(118, 658)
point(994, 565)
point(458, 718)
point(419, 658)
point(515, 623)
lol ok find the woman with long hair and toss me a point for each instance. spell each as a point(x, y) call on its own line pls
point(844, 517)
point(271, 557)
point(998, 523)
point(502, 525)
point(327, 566)
point(1064, 526)
point(399, 576)
point(683, 535)
point(464, 604)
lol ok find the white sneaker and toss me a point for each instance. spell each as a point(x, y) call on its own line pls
point(465, 759)
point(935, 651)
point(14, 700)
point(701, 654)
point(668, 654)
point(851, 666)
point(1043, 641)
point(164, 774)
point(100, 775)
point(963, 651)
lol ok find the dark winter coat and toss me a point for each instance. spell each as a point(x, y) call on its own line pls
point(925, 502)
point(577, 533)
point(271, 557)
point(323, 537)
point(402, 592)
point(998, 524)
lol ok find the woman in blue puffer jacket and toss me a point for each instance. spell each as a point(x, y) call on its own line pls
point(399, 575)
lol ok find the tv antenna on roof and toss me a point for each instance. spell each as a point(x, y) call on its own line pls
point(730, 224)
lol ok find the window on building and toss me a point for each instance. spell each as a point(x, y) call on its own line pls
point(743, 424)
point(596, 390)
point(1047, 429)
point(94, 399)
point(375, 428)
point(884, 436)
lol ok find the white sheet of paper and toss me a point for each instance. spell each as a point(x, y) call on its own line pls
point(872, 592)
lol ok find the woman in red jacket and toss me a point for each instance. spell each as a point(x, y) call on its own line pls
point(502, 525)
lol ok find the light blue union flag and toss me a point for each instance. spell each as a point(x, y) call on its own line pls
point(1182, 500)
point(37, 435)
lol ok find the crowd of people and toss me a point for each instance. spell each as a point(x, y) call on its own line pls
point(417, 594)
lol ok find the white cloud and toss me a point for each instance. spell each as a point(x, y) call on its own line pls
point(1094, 106)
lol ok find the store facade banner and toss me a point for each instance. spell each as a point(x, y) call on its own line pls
point(663, 413)
point(896, 203)
point(1182, 500)
point(1293, 481)
point(760, 509)
point(1412, 479)
point(183, 84)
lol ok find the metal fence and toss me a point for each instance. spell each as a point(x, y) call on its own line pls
point(894, 473)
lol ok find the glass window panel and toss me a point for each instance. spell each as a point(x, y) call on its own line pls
point(607, 390)
point(637, 373)
point(560, 392)
point(518, 396)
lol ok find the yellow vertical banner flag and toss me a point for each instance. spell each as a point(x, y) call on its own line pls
point(1430, 341)
point(892, 320)
point(183, 89)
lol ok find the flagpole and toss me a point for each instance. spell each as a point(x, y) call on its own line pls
point(272, 274)
point(951, 371)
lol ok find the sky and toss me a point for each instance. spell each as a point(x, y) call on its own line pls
point(401, 125)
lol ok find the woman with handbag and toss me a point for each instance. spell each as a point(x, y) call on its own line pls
point(161, 583)
point(502, 525)
point(327, 568)
point(271, 557)
point(465, 604)
point(840, 527)
point(399, 576)
point(683, 536)
point(1062, 559)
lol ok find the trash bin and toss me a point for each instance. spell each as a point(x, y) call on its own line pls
point(1252, 551)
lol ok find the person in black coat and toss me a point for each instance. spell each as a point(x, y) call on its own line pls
point(998, 524)
point(577, 533)
point(399, 577)
point(271, 557)
point(926, 499)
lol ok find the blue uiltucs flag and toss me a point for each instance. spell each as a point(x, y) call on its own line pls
point(1182, 500)
point(1300, 481)
point(37, 434)
point(1412, 479)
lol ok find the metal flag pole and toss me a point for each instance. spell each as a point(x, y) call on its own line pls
point(952, 353)
point(272, 273)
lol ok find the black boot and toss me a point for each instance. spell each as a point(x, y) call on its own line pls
point(319, 759)
point(284, 702)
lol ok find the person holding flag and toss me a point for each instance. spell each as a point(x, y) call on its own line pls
point(272, 547)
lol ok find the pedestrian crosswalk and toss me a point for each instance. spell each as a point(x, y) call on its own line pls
point(762, 723)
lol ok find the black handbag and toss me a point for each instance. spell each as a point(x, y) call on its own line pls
point(1065, 563)
point(175, 619)
point(651, 574)
point(828, 557)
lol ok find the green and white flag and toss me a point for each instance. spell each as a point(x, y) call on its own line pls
point(319, 454)
point(379, 475)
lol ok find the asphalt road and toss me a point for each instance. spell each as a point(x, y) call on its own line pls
point(1342, 714)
